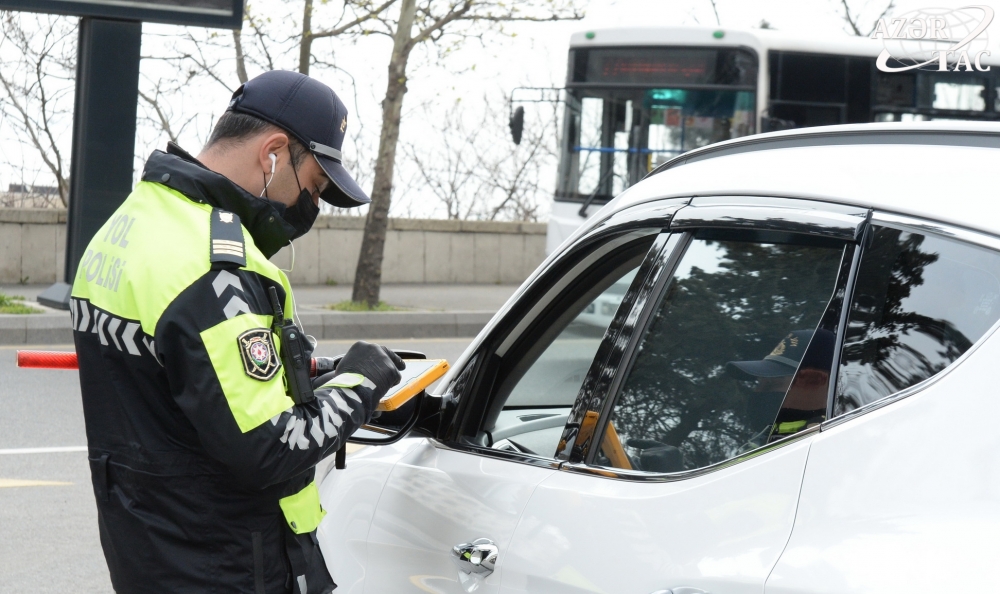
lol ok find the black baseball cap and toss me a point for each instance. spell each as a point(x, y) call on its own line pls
point(786, 356)
point(312, 113)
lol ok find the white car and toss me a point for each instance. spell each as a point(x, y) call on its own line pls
point(797, 393)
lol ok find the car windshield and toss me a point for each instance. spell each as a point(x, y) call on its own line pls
point(620, 136)
point(628, 110)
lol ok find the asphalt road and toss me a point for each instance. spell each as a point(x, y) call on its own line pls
point(48, 522)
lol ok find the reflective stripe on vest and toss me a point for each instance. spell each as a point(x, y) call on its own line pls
point(790, 427)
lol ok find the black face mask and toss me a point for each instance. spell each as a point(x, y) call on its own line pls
point(300, 215)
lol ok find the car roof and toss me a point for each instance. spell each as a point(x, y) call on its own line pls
point(936, 170)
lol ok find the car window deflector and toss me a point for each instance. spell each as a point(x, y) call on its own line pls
point(804, 217)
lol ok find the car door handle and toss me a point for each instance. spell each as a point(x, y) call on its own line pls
point(478, 556)
point(681, 590)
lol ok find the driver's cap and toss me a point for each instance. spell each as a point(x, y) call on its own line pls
point(781, 362)
point(312, 113)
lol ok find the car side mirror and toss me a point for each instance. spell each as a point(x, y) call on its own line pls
point(422, 412)
point(424, 415)
point(517, 124)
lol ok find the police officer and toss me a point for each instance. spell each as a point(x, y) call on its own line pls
point(202, 463)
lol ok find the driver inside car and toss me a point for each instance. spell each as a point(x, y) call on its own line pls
point(771, 405)
point(785, 392)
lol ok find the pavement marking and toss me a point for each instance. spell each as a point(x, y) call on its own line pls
point(57, 450)
point(11, 483)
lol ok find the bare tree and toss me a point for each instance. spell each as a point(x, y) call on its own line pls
point(354, 15)
point(224, 60)
point(513, 178)
point(449, 167)
point(471, 166)
point(37, 71)
point(446, 23)
point(715, 9)
point(160, 111)
point(855, 20)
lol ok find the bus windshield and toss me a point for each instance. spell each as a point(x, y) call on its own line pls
point(638, 109)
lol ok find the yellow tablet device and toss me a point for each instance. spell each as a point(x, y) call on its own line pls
point(419, 374)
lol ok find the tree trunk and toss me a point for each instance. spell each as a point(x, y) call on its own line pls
point(241, 65)
point(241, 62)
point(368, 275)
point(305, 45)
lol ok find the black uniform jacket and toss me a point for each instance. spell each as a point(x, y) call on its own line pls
point(202, 465)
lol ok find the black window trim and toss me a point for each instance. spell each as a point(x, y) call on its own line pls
point(793, 215)
point(536, 304)
point(845, 313)
point(553, 291)
point(545, 323)
point(925, 227)
point(556, 288)
point(618, 345)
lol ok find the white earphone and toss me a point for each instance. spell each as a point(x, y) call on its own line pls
point(274, 160)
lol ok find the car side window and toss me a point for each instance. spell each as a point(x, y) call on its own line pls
point(920, 302)
point(516, 391)
point(544, 382)
point(720, 351)
point(554, 378)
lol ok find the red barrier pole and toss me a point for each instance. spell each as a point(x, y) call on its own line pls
point(47, 359)
point(67, 360)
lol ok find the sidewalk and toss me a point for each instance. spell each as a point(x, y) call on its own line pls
point(427, 311)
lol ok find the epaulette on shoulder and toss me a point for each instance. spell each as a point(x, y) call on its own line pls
point(227, 240)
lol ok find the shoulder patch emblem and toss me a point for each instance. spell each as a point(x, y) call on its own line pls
point(260, 361)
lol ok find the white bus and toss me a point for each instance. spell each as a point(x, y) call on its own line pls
point(635, 98)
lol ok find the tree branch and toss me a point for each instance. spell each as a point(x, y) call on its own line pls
point(370, 15)
point(852, 21)
point(715, 9)
point(164, 120)
point(888, 7)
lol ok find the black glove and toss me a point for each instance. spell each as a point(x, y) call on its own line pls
point(376, 363)
point(324, 365)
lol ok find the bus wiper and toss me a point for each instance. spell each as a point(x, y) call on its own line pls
point(590, 199)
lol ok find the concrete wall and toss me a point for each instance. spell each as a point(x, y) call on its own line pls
point(32, 249)
point(32, 245)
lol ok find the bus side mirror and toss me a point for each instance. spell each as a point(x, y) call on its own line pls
point(770, 124)
point(517, 124)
